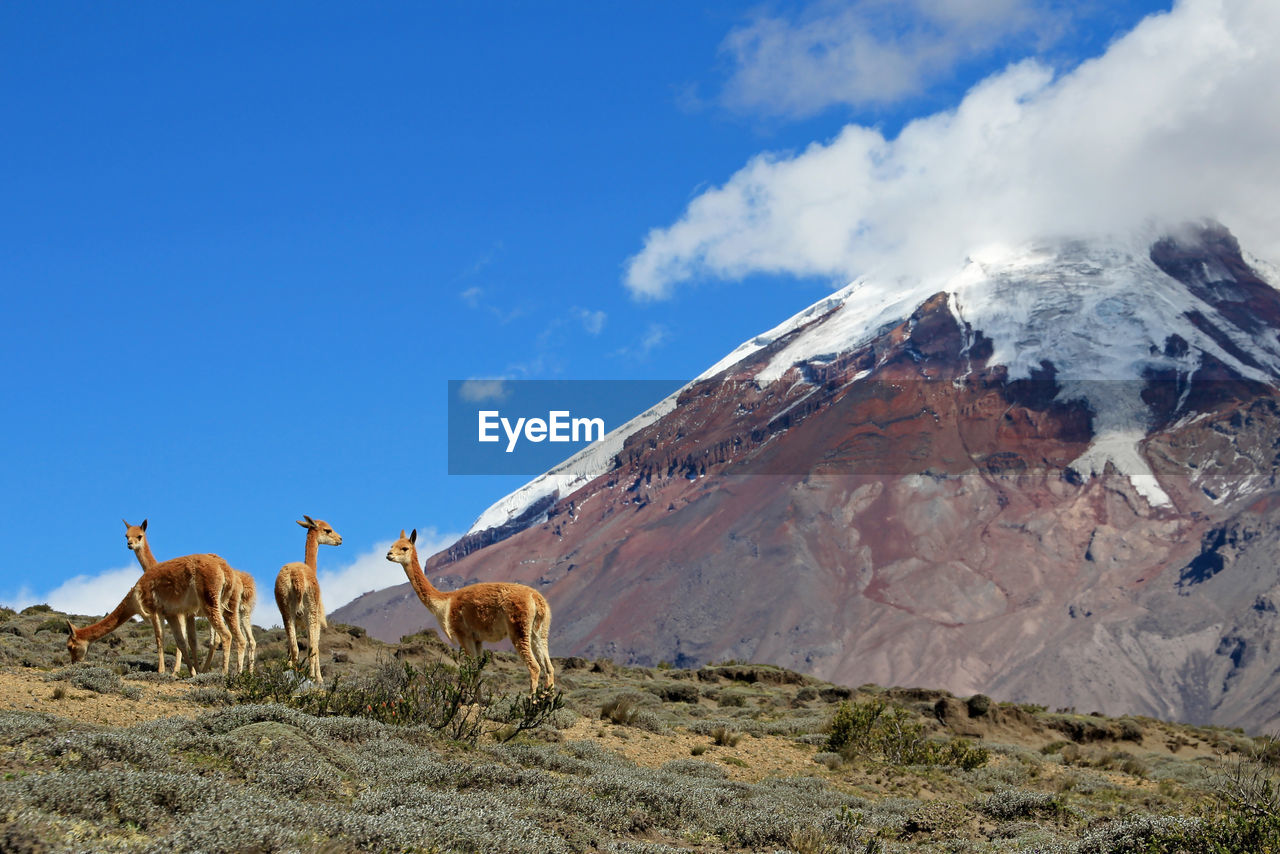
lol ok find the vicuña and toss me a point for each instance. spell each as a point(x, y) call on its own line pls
point(175, 590)
point(489, 611)
point(298, 594)
point(239, 598)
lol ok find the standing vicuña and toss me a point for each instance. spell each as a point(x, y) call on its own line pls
point(239, 598)
point(175, 589)
point(298, 594)
point(489, 611)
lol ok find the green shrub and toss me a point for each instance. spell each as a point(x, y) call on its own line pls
point(978, 705)
point(678, 692)
point(876, 730)
point(450, 697)
point(852, 725)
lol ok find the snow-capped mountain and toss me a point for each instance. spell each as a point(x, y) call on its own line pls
point(1028, 478)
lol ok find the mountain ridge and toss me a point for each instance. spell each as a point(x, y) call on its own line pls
point(1007, 478)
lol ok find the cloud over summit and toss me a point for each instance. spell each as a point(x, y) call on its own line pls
point(1178, 120)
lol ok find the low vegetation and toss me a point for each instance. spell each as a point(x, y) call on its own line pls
point(411, 747)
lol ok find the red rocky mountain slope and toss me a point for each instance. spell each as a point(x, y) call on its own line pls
point(1048, 478)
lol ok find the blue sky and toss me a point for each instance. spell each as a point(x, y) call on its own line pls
point(244, 247)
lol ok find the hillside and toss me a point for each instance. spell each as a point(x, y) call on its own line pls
point(1050, 477)
point(107, 756)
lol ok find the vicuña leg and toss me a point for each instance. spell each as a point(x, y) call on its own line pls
point(186, 644)
point(522, 640)
point(313, 642)
point(247, 627)
point(541, 651)
point(213, 611)
point(157, 627)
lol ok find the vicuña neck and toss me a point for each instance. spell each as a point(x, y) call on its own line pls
point(127, 608)
point(313, 548)
point(145, 557)
point(434, 599)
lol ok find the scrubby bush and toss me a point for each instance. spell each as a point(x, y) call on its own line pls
point(852, 725)
point(621, 709)
point(978, 705)
point(829, 760)
point(1154, 834)
point(878, 730)
point(1008, 804)
point(725, 736)
point(678, 692)
point(626, 709)
point(212, 696)
point(451, 697)
point(90, 677)
point(695, 768)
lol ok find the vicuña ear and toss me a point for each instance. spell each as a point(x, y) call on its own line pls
point(302, 523)
point(402, 533)
point(413, 538)
point(71, 628)
point(126, 523)
point(143, 526)
point(311, 522)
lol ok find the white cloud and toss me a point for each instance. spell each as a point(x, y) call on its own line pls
point(370, 571)
point(1179, 120)
point(94, 595)
point(868, 52)
point(477, 391)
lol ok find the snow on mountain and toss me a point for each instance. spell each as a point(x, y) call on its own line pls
point(587, 464)
point(1102, 312)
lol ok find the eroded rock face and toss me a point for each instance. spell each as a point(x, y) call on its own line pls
point(908, 511)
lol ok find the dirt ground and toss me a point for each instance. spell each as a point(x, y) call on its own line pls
point(751, 760)
point(25, 689)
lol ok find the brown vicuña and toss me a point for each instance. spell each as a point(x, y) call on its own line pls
point(237, 611)
point(175, 590)
point(489, 611)
point(298, 594)
point(239, 599)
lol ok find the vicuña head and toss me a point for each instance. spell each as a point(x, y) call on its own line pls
point(77, 648)
point(489, 611)
point(325, 535)
point(403, 550)
point(135, 536)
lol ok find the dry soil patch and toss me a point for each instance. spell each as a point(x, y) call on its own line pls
point(25, 689)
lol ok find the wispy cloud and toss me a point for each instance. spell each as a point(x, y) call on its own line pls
point(653, 337)
point(868, 52)
point(471, 296)
point(477, 298)
point(1179, 120)
point(592, 321)
point(477, 391)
